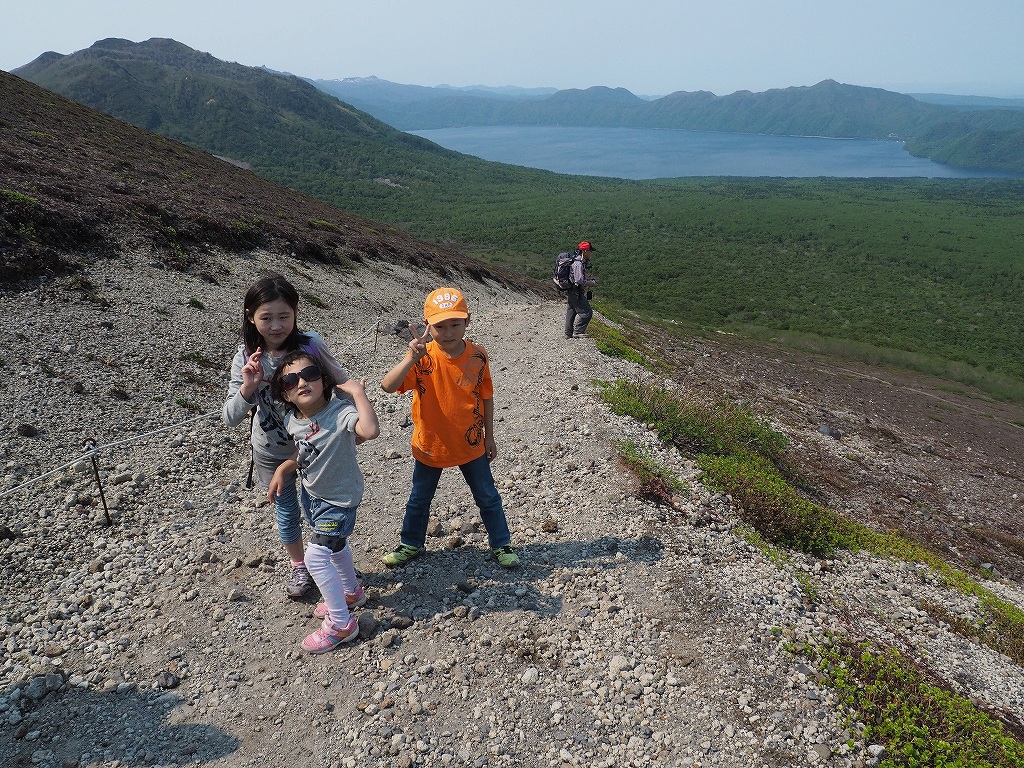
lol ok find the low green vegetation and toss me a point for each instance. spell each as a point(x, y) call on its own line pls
point(609, 341)
point(750, 535)
point(647, 470)
point(326, 226)
point(922, 723)
point(624, 339)
point(695, 424)
point(314, 300)
point(741, 455)
point(772, 505)
point(199, 359)
point(13, 197)
point(997, 629)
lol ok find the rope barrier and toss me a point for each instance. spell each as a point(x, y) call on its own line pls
point(92, 450)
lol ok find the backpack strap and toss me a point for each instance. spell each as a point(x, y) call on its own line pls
point(252, 451)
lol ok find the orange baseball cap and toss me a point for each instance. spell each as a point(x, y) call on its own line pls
point(445, 304)
point(586, 246)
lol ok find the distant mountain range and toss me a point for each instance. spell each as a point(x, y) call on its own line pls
point(969, 102)
point(251, 114)
point(968, 132)
point(826, 109)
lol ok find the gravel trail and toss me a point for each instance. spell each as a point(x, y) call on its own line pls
point(634, 635)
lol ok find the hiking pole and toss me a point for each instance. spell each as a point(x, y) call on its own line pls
point(90, 445)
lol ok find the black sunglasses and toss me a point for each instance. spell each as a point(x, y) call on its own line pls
point(291, 380)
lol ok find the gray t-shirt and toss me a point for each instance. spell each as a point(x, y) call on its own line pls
point(269, 436)
point(327, 452)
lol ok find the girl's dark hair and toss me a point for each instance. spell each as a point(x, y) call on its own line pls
point(301, 354)
point(263, 291)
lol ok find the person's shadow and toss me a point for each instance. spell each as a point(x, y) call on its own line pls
point(72, 723)
point(454, 581)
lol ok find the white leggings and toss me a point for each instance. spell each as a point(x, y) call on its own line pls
point(334, 574)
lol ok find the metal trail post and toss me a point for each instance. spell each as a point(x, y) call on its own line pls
point(90, 445)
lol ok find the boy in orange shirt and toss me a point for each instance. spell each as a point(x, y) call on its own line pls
point(453, 423)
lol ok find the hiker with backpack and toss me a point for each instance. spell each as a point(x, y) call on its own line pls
point(571, 276)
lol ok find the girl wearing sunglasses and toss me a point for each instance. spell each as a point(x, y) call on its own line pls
point(270, 331)
point(325, 427)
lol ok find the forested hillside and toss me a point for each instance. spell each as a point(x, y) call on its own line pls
point(282, 126)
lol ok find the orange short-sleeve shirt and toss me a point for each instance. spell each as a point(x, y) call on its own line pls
point(448, 397)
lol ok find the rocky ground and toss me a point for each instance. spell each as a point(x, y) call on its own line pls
point(634, 635)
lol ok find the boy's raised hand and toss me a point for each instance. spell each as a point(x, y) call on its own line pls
point(418, 344)
point(417, 349)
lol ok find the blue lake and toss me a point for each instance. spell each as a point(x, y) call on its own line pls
point(638, 153)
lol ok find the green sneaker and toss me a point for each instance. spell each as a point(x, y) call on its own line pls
point(506, 557)
point(402, 555)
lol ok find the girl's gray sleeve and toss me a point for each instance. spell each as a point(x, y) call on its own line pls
point(236, 407)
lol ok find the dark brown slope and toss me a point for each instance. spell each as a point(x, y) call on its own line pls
point(76, 185)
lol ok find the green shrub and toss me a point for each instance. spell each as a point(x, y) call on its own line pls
point(314, 300)
point(188, 405)
point(771, 505)
point(322, 225)
point(758, 542)
point(613, 342)
point(657, 482)
point(200, 359)
point(921, 723)
point(17, 198)
point(718, 428)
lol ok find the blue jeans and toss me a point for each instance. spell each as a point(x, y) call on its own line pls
point(481, 482)
point(286, 505)
point(328, 520)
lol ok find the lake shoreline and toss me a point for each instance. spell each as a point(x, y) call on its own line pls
point(658, 153)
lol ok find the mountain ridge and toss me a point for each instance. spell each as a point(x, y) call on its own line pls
point(828, 108)
point(966, 136)
point(50, 208)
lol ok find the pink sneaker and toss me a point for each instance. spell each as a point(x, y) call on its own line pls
point(352, 600)
point(329, 637)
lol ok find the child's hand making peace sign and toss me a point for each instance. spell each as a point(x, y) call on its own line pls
point(418, 344)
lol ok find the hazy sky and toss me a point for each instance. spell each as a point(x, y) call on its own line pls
point(651, 47)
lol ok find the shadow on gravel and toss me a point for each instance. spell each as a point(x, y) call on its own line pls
point(453, 574)
point(82, 727)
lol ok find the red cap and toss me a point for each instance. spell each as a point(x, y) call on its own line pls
point(585, 246)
